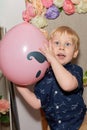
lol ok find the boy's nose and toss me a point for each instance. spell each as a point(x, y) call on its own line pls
point(61, 47)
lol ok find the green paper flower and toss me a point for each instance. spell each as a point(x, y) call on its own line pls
point(85, 78)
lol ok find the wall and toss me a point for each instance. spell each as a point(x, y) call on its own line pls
point(11, 12)
point(10, 15)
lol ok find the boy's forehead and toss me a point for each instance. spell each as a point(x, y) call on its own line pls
point(59, 34)
point(62, 36)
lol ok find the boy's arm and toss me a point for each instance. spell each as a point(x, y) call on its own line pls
point(67, 81)
point(29, 97)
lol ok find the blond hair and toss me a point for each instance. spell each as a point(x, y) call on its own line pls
point(72, 34)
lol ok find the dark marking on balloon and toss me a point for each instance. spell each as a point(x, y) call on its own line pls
point(38, 73)
point(37, 55)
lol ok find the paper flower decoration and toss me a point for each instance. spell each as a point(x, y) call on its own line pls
point(47, 3)
point(82, 6)
point(38, 11)
point(85, 78)
point(39, 21)
point(4, 109)
point(68, 7)
point(52, 12)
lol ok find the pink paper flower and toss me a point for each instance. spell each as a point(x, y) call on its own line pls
point(29, 13)
point(4, 106)
point(68, 7)
point(47, 3)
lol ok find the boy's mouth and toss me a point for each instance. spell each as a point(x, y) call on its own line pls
point(61, 56)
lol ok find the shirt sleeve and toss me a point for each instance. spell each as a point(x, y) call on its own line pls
point(42, 90)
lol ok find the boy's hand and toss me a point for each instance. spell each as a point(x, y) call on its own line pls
point(48, 52)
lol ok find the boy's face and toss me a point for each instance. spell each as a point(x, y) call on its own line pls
point(63, 48)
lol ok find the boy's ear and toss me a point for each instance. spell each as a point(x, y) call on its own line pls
point(75, 54)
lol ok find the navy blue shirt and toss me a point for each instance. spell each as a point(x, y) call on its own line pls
point(63, 110)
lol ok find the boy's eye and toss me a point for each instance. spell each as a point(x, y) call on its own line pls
point(56, 42)
point(67, 44)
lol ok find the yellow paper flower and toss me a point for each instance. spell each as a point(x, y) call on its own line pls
point(82, 7)
point(58, 3)
point(39, 21)
point(76, 1)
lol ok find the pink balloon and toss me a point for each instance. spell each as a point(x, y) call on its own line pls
point(20, 59)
